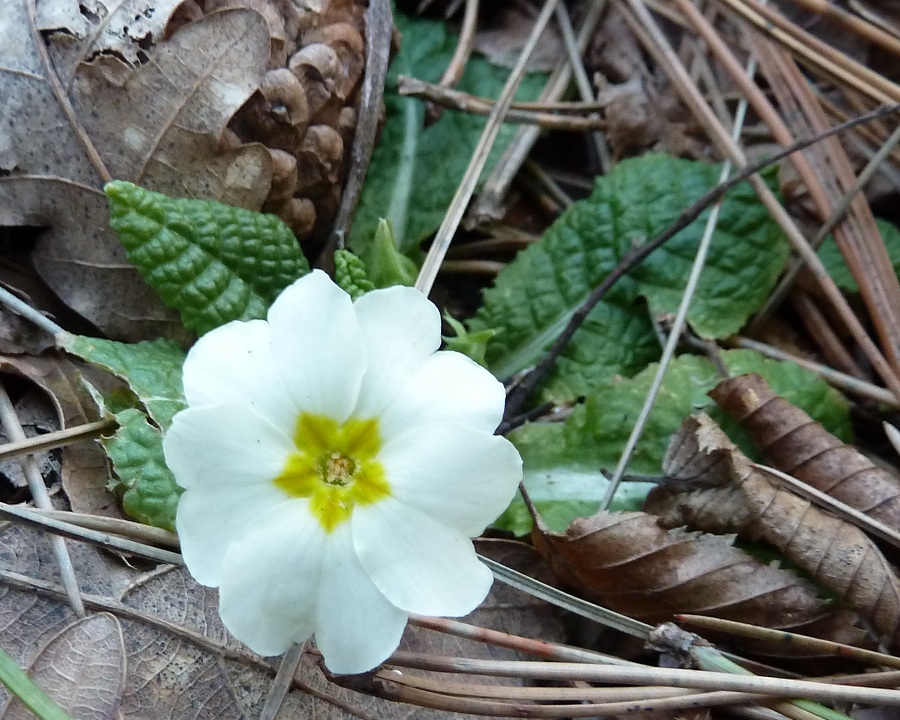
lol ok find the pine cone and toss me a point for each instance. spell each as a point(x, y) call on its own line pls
point(305, 109)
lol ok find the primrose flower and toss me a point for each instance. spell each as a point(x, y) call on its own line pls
point(336, 466)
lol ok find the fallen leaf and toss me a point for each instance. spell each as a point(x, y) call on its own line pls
point(100, 95)
point(798, 445)
point(631, 563)
point(711, 486)
point(82, 669)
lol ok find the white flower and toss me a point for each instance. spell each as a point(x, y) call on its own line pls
point(336, 466)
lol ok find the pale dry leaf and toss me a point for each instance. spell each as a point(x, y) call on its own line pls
point(796, 444)
point(505, 31)
point(85, 470)
point(182, 663)
point(82, 669)
point(153, 115)
point(86, 30)
point(630, 563)
point(711, 486)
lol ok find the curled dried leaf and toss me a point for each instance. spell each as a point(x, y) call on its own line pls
point(711, 486)
point(796, 444)
point(629, 562)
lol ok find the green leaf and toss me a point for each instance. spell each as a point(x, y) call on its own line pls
point(613, 340)
point(837, 267)
point(212, 262)
point(535, 295)
point(472, 345)
point(387, 265)
point(563, 460)
point(153, 372)
point(415, 169)
point(145, 484)
point(350, 274)
point(152, 369)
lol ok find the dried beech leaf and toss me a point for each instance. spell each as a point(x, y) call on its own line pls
point(180, 660)
point(147, 110)
point(82, 669)
point(630, 563)
point(796, 444)
point(712, 486)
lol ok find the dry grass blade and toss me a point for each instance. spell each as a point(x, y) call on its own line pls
point(42, 499)
point(812, 644)
point(697, 679)
point(655, 40)
point(712, 486)
point(466, 188)
point(794, 443)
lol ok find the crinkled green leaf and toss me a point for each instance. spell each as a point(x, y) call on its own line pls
point(350, 274)
point(563, 460)
point(613, 340)
point(837, 267)
point(152, 369)
point(536, 294)
point(212, 262)
point(415, 169)
point(145, 485)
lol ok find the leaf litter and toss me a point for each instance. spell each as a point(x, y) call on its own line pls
point(94, 115)
point(624, 560)
point(177, 654)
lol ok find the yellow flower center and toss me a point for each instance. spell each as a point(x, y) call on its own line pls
point(335, 467)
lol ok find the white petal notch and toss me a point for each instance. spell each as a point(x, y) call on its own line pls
point(318, 448)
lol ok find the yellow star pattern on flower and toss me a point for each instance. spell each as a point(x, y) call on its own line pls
point(335, 467)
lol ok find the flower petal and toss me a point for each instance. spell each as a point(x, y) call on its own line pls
point(224, 445)
point(401, 329)
point(270, 580)
point(317, 346)
point(356, 627)
point(209, 520)
point(419, 564)
point(447, 387)
point(458, 475)
point(233, 363)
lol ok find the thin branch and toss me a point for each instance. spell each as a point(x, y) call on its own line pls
point(464, 102)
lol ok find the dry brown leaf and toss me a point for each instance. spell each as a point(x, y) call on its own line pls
point(116, 99)
point(180, 660)
point(712, 486)
point(82, 669)
point(630, 563)
point(796, 444)
point(85, 469)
